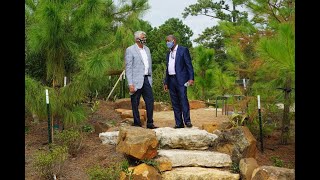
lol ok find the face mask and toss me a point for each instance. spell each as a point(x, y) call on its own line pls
point(170, 44)
point(142, 41)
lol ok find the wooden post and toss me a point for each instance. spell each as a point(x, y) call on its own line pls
point(115, 85)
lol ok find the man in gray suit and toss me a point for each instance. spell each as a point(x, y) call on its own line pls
point(139, 76)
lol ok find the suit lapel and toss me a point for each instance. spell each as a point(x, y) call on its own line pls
point(178, 56)
point(138, 52)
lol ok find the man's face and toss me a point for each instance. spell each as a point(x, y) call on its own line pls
point(170, 42)
point(142, 36)
point(169, 39)
point(142, 39)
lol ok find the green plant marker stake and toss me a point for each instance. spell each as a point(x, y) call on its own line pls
point(260, 123)
point(49, 120)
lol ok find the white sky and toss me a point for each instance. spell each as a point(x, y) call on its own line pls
point(162, 10)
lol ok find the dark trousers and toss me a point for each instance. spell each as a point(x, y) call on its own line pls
point(147, 95)
point(179, 100)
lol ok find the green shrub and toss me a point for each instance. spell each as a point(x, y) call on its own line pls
point(100, 173)
point(49, 163)
point(151, 162)
point(70, 138)
point(87, 128)
point(267, 129)
point(158, 76)
point(234, 168)
point(95, 106)
point(125, 168)
point(276, 161)
point(237, 119)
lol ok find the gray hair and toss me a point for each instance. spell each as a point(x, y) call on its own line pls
point(138, 33)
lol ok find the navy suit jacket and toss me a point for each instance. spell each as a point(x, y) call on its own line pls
point(183, 66)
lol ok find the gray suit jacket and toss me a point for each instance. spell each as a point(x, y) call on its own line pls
point(135, 66)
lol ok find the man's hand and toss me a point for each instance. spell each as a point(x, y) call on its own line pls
point(131, 89)
point(191, 82)
point(165, 88)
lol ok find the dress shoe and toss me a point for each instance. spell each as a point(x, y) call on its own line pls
point(189, 125)
point(152, 127)
point(137, 125)
point(176, 126)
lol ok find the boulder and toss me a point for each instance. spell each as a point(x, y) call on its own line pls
point(237, 142)
point(143, 172)
point(184, 138)
point(272, 172)
point(246, 166)
point(180, 157)
point(195, 173)
point(137, 142)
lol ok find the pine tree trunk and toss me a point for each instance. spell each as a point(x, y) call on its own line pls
point(285, 131)
point(203, 95)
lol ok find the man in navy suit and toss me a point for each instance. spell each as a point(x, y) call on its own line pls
point(179, 75)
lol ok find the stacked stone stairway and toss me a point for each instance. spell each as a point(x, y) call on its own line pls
point(181, 153)
point(187, 151)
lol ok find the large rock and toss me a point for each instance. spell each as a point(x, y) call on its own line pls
point(164, 163)
point(109, 137)
point(273, 173)
point(196, 104)
point(210, 127)
point(198, 173)
point(246, 166)
point(128, 114)
point(196, 158)
point(125, 103)
point(120, 110)
point(214, 126)
point(237, 142)
point(143, 172)
point(161, 106)
point(184, 138)
point(137, 142)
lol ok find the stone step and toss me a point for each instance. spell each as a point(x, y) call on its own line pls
point(170, 138)
point(109, 137)
point(180, 157)
point(184, 138)
point(199, 173)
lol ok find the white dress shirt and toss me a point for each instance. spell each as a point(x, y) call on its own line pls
point(144, 59)
point(172, 60)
